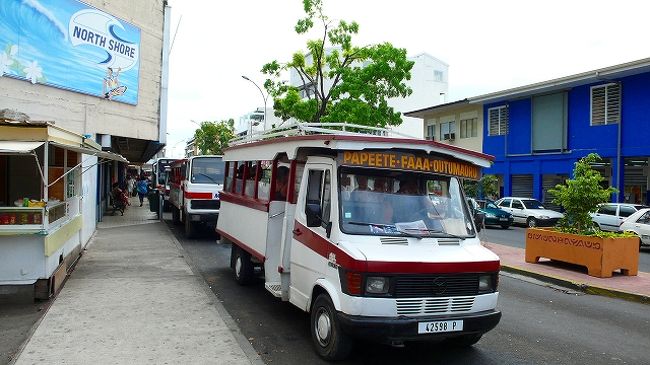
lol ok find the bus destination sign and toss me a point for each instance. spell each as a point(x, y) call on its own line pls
point(407, 161)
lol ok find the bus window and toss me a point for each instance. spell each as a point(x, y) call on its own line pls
point(264, 183)
point(249, 191)
point(281, 183)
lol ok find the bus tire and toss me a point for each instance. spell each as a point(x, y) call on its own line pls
point(176, 215)
point(190, 227)
point(329, 340)
point(242, 266)
point(464, 340)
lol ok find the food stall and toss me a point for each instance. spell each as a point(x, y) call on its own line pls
point(40, 202)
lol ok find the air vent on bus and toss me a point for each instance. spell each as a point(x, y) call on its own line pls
point(448, 241)
point(393, 240)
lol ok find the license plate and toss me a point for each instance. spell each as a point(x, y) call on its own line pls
point(503, 219)
point(439, 326)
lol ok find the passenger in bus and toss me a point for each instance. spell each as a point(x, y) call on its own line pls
point(281, 183)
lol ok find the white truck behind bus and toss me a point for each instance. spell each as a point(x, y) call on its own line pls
point(369, 234)
point(195, 184)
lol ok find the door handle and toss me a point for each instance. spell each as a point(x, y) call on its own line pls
point(297, 232)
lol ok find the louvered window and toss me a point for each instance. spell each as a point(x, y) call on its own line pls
point(606, 104)
point(431, 132)
point(498, 121)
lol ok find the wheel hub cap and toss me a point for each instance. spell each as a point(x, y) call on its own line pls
point(323, 328)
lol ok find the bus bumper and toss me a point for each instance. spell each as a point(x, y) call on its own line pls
point(392, 329)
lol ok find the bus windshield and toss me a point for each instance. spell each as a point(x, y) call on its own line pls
point(207, 170)
point(400, 203)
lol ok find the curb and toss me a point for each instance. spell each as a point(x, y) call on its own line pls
point(585, 288)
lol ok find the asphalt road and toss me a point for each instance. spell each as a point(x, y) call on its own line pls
point(541, 324)
point(515, 236)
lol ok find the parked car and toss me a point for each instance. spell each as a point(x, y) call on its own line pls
point(609, 216)
point(493, 215)
point(529, 211)
point(477, 213)
point(639, 224)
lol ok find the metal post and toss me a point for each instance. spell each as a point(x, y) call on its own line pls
point(264, 97)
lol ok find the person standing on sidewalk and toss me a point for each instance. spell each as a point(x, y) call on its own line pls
point(130, 186)
point(142, 187)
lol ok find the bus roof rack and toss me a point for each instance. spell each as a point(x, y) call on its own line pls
point(301, 129)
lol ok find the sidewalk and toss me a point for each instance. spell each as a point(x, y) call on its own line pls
point(134, 299)
point(636, 288)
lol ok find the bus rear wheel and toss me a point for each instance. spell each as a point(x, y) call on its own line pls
point(329, 340)
point(242, 265)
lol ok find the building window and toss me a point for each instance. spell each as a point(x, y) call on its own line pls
point(438, 76)
point(431, 132)
point(448, 130)
point(606, 104)
point(468, 128)
point(498, 121)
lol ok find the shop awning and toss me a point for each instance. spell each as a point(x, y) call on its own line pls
point(12, 147)
point(92, 152)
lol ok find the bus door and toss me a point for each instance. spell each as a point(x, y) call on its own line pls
point(310, 233)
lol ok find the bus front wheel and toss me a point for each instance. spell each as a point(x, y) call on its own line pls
point(330, 341)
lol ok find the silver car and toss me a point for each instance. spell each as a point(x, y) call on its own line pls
point(529, 211)
point(639, 224)
point(609, 216)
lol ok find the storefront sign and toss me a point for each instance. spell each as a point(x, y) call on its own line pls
point(70, 45)
point(407, 161)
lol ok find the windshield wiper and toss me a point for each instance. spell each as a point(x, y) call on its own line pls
point(385, 225)
point(437, 231)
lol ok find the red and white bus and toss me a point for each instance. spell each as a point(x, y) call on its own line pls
point(195, 183)
point(372, 236)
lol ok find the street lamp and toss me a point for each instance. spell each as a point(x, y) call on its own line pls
point(263, 96)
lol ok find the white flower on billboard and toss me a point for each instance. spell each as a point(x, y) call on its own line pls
point(5, 63)
point(33, 71)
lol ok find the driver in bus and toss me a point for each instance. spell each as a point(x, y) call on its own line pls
point(281, 183)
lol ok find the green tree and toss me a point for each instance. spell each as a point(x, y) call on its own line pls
point(489, 185)
point(580, 196)
point(212, 137)
point(342, 82)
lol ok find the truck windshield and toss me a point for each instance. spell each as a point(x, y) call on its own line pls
point(398, 203)
point(207, 170)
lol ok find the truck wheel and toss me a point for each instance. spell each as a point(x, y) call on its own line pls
point(531, 222)
point(190, 227)
point(329, 340)
point(242, 265)
point(464, 341)
point(176, 215)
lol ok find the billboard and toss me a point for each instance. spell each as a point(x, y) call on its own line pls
point(70, 45)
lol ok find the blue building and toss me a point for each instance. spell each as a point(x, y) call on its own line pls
point(537, 132)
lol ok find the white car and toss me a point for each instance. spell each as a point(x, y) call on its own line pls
point(609, 216)
point(639, 224)
point(529, 211)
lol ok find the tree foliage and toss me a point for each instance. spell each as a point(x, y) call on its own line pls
point(212, 137)
point(342, 82)
point(581, 196)
point(487, 187)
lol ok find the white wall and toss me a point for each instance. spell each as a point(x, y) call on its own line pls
point(89, 197)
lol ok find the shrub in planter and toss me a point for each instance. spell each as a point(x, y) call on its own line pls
point(581, 196)
point(576, 239)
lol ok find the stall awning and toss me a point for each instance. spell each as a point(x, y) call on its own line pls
point(11, 147)
point(92, 152)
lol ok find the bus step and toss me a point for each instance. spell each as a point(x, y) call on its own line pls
point(274, 288)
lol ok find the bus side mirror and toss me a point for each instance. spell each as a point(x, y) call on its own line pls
point(313, 215)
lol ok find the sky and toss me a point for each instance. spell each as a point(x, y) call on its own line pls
point(489, 45)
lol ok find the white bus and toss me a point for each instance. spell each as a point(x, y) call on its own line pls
point(195, 183)
point(369, 234)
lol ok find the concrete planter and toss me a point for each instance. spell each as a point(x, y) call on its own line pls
point(601, 256)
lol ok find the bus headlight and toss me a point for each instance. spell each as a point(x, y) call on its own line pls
point(486, 284)
point(376, 285)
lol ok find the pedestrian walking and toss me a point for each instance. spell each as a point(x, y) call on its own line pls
point(130, 186)
point(142, 187)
